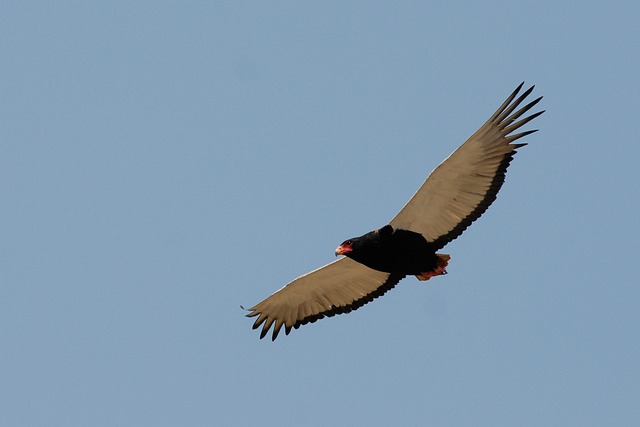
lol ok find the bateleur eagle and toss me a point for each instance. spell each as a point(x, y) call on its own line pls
point(454, 195)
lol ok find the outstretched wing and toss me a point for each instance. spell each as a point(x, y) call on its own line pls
point(339, 287)
point(462, 187)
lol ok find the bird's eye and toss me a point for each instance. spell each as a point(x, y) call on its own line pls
point(348, 242)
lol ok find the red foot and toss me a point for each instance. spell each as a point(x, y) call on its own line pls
point(438, 271)
point(443, 260)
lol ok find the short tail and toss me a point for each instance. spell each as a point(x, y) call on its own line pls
point(443, 260)
point(441, 264)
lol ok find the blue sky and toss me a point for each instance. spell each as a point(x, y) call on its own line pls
point(165, 162)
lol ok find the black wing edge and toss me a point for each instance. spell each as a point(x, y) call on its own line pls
point(504, 118)
point(389, 284)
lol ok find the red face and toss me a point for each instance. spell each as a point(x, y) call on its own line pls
point(344, 248)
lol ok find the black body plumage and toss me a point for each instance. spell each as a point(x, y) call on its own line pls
point(393, 251)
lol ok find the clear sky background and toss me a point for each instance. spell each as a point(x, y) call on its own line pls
point(163, 163)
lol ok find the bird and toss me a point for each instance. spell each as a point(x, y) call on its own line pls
point(455, 194)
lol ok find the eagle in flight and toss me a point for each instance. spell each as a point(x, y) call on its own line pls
point(454, 195)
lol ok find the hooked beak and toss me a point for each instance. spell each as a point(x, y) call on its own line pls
point(343, 249)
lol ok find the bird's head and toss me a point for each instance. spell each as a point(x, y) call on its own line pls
point(361, 245)
point(345, 247)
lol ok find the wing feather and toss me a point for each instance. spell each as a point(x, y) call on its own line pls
point(462, 187)
point(339, 287)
